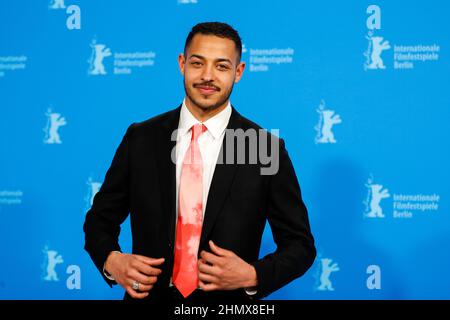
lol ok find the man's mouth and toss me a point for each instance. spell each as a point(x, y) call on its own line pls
point(206, 89)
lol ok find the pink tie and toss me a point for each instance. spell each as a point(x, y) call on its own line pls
point(190, 217)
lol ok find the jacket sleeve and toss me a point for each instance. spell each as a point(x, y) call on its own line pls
point(288, 219)
point(109, 210)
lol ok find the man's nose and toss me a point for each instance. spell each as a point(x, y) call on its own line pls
point(208, 73)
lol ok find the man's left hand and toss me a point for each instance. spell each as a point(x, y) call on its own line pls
point(223, 270)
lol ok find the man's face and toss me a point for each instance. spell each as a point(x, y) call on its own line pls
point(210, 69)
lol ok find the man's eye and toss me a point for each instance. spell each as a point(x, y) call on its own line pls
point(195, 63)
point(223, 66)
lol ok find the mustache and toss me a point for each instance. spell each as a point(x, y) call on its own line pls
point(207, 84)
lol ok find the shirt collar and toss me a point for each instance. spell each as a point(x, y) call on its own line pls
point(215, 125)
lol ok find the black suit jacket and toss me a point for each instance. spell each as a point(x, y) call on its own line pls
point(141, 182)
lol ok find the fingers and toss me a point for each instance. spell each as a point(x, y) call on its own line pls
point(143, 286)
point(210, 258)
point(206, 268)
point(141, 269)
point(207, 286)
point(148, 260)
point(204, 277)
point(141, 278)
point(144, 268)
point(217, 250)
point(134, 294)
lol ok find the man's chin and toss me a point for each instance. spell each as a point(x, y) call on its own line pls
point(206, 104)
point(207, 107)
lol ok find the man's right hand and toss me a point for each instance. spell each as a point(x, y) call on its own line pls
point(127, 268)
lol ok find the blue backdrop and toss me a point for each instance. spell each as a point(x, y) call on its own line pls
point(359, 91)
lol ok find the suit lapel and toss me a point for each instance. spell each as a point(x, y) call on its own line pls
point(220, 185)
point(167, 168)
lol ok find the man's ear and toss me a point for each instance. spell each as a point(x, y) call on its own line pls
point(239, 71)
point(181, 62)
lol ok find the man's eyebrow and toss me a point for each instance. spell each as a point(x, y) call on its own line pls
point(224, 60)
point(196, 56)
point(216, 60)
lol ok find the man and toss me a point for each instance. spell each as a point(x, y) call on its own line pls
point(197, 213)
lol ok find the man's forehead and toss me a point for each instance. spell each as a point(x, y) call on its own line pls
point(212, 47)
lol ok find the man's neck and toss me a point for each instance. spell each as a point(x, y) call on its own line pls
point(204, 114)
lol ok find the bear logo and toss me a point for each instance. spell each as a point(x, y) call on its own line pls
point(57, 4)
point(327, 269)
point(327, 120)
point(54, 122)
point(377, 194)
point(99, 52)
point(53, 258)
point(376, 47)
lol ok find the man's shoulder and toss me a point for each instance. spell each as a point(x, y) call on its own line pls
point(247, 124)
point(164, 119)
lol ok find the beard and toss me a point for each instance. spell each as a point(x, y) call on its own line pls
point(211, 105)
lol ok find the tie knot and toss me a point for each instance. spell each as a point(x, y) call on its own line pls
point(197, 130)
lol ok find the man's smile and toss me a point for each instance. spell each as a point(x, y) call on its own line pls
point(206, 90)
